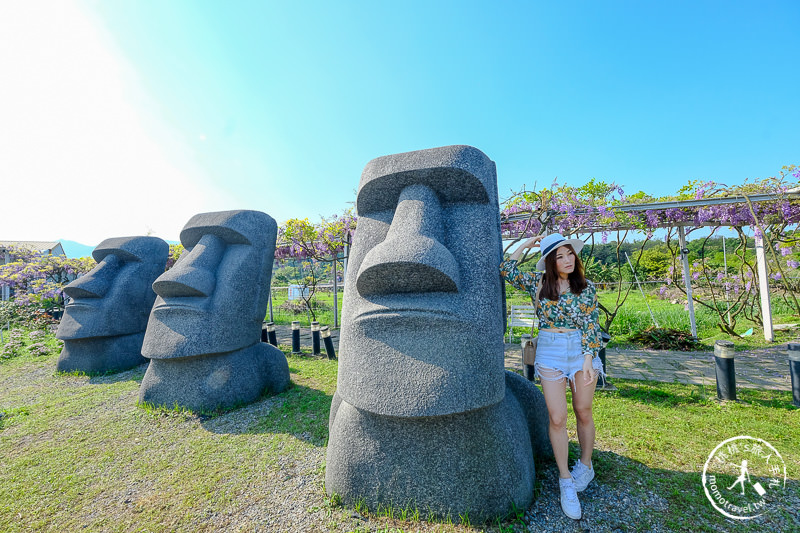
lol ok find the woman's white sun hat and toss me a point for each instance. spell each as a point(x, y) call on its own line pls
point(554, 241)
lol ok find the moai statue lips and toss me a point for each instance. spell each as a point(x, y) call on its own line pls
point(106, 315)
point(203, 336)
point(422, 316)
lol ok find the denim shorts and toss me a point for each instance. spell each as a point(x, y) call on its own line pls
point(559, 356)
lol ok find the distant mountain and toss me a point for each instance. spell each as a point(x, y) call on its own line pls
point(74, 249)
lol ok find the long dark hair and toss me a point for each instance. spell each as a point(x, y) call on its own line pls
point(577, 281)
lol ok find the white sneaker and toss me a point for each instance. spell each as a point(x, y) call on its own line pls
point(582, 475)
point(569, 498)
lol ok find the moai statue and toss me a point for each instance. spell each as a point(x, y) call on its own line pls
point(204, 334)
point(106, 315)
point(424, 413)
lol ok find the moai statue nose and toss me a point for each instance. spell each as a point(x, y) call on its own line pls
point(96, 283)
point(412, 258)
point(195, 274)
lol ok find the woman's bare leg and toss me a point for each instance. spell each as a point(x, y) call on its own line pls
point(555, 395)
point(582, 396)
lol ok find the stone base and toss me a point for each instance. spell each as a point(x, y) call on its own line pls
point(534, 406)
point(217, 381)
point(100, 355)
point(479, 462)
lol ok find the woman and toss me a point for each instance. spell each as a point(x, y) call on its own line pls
point(568, 348)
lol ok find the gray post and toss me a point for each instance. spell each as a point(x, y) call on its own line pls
point(725, 370)
point(271, 318)
point(687, 278)
point(725, 262)
point(763, 288)
point(335, 292)
point(794, 369)
point(344, 260)
point(7, 290)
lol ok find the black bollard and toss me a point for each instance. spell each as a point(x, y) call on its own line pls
point(264, 335)
point(326, 337)
point(726, 373)
point(295, 337)
point(794, 369)
point(272, 336)
point(315, 338)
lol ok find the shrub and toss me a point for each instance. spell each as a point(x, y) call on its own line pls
point(666, 339)
point(38, 349)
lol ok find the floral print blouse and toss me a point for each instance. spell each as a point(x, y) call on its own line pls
point(569, 311)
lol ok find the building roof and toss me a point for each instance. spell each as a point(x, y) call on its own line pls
point(54, 247)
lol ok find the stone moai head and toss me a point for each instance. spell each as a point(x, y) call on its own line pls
point(214, 298)
point(422, 318)
point(115, 297)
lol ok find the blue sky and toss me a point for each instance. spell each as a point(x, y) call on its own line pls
point(124, 118)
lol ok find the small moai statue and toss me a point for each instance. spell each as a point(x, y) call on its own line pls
point(424, 413)
point(107, 308)
point(203, 338)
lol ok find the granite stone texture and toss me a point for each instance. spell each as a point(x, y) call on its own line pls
point(213, 381)
point(204, 332)
point(459, 365)
point(477, 462)
point(107, 309)
point(423, 411)
point(534, 407)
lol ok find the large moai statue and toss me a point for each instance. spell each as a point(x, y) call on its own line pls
point(424, 413)
point(106, 315)
point(204, 334)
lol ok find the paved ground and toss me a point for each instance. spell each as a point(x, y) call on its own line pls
point(762, 369)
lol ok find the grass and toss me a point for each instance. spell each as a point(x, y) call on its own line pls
point(660, 435)
point(322, 303)
point(77, 453)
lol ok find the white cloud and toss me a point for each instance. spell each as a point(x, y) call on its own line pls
point(80, 156)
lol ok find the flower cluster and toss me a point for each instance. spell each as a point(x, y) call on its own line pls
point(592, 207)
point(301, 239)
point(36, 277)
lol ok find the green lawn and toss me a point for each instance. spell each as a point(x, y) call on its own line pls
point(79, 454)
point(322, 303)
point(634, 316)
